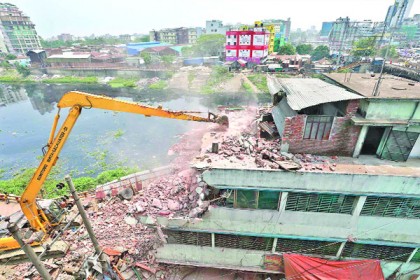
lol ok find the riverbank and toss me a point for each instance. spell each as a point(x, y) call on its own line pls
point(18, 183)
point(194, 80)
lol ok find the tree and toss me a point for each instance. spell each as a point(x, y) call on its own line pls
point(392, 53)
point(187, 51)
point(5, 65)
point(10, 56)
point(287, 49)
point(146, 57)
point(209, 45)
point(304, 49)
point(364, 47)
point(168, 59)
point(22, 69)
point(320, 52)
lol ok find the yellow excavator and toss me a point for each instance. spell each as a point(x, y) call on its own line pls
point(43, 218)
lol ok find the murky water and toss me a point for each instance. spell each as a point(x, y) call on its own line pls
point(27, 113)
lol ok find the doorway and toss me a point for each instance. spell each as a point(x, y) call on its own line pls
point(372, 140)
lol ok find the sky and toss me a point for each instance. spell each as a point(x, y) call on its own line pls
point(85, 17)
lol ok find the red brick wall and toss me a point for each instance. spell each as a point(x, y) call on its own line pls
point(342, 140)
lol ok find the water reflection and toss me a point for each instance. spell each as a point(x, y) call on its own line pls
point(99, 136)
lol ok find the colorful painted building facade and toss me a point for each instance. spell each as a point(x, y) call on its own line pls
point(248, 44)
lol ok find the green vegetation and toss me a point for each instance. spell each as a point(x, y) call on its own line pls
point(281, 75)
point(320, 52)
point(15, 79)
point(71, 80)
point(22, 70)
point(207, 45)
point(364, 47)
point(168, 59)
point(10, 56)
point(260, 81)
point(147, 57)
point(217, 76)
point(121, 82)
point(392, 53)
point(18, 183)
point(287, 49)
point(92, 41)
point(159, 85)
point(191, 77)
point(247, 87)
point(304, 49)
point(118, 134)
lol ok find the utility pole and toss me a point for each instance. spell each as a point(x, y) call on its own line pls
point(14, 230)
point(378, 83)
point(86, 222)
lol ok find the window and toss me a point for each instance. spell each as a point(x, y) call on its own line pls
point(234, 43)
point(250, 199)
point(318, 127)
point(391, 207)
point(310, 247)
point(325, 203)
point(189, 238)
point(366, 251)
point(244, 242)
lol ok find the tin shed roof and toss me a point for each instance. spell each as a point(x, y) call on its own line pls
point(303, 93)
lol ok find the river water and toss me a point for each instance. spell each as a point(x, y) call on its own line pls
point(99, 137)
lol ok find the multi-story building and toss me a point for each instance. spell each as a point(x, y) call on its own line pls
point(398, 12)
point(345, 32)
point(281, 29)
point(65, 37)
point(194, 34)
point(248, 44)
point(176, 36)
point(215, 27)
point(332, 208)
point(17, 29)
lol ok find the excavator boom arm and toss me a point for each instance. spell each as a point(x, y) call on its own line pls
point(76, 101)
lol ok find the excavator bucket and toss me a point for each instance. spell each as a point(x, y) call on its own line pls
point(223, 120)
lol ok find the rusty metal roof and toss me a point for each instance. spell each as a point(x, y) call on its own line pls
point(303, 93)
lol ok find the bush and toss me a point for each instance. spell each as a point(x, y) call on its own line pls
point(23, 70)
point(158, 85)
point(71, 80)
point(121, 82)
point(260, 81)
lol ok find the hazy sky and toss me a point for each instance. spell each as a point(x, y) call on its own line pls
point(84, 17)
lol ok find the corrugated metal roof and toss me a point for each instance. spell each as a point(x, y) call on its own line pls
point(303, 93)
point(69, 55)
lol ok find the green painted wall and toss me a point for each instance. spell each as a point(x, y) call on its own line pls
point(194, 255)
point(392, 109)
point(306, 225)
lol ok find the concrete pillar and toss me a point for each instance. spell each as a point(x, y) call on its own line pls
point(213, 240)
point(357, 209)
point(340, 250)
point(282, 204)
point(273, 250)
point(412, 255)
point(360, 141)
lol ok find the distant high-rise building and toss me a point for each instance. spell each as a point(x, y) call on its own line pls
point(398, 12)
point(17, 29)
point(65, 37)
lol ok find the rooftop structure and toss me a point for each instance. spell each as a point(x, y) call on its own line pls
point(136, 48)
point(392, 87)
point(390, 122)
